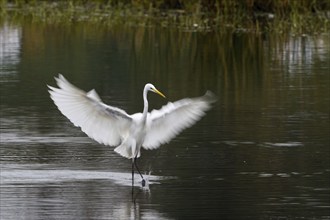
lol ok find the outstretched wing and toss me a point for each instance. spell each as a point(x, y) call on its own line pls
point(171, 119)
point(105, 124)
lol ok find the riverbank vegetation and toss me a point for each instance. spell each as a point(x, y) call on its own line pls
point(260, 16)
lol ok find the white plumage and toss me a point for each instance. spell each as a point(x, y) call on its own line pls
point(112, 126)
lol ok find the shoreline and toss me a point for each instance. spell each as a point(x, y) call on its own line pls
point(196, 18)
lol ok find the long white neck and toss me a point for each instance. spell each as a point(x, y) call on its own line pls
point(145, 101)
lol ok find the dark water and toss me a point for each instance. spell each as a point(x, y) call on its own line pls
point(262, 152)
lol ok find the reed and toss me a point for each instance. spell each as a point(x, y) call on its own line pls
point(273, 16)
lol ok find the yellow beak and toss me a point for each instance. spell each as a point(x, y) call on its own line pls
point(158, 92)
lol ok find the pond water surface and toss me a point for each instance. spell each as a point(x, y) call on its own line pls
point(262, 151)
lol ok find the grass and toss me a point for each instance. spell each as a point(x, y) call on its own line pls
point(260, 16)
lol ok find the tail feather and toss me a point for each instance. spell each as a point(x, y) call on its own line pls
point(125, 151)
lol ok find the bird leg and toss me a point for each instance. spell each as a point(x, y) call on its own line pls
point(143, 181)
point(133, 173)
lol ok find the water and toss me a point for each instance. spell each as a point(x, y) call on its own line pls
point(261, 152)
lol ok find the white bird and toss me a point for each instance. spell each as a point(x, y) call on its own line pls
point(112, 126)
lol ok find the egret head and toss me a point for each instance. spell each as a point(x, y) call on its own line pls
point(152, 88)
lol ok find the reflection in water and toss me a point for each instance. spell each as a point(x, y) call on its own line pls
point(24, 176)
point(262, 152)
point(73, 194)
point(10, 38)
point(301, 51)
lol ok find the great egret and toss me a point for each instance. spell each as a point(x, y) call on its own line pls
point(112, 126)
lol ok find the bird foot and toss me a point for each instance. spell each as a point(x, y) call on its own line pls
point(143, 183)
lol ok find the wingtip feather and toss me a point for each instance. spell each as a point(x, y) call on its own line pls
point(210, 97)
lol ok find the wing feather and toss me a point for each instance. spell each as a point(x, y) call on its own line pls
point(171, 119)
point(106, 124)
